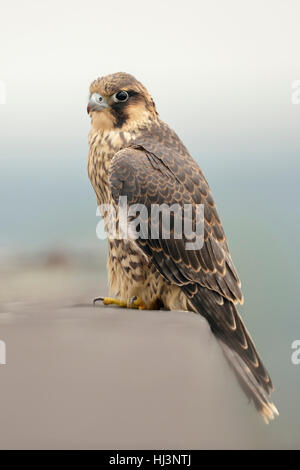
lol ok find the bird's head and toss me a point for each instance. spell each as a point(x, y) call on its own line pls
point(119, 101)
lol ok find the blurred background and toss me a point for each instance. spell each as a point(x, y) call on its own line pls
point(221, 74)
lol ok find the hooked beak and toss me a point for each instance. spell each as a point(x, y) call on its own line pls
point(96, 103)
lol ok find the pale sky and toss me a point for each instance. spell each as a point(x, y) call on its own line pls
point(219, 71)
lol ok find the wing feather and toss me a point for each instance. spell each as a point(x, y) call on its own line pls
point(148, 175)
point(154, 171)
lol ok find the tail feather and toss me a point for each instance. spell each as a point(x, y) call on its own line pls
point(249, 384)
point(238, 347)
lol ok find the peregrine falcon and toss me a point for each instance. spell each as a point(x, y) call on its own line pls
point(134, 154)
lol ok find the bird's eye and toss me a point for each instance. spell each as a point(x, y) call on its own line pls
point(120, 96)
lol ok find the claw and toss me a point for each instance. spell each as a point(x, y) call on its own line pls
point(98, 299)
point(136, 302)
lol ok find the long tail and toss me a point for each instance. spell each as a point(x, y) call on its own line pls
point(250, 385)
point(238, 347)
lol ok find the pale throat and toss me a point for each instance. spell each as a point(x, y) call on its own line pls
point(107, 142)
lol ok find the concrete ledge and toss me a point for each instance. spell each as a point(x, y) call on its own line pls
point(79, 377)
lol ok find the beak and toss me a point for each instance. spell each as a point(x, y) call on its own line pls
point(96, 103)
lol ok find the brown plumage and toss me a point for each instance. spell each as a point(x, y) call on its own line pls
point(134, 154)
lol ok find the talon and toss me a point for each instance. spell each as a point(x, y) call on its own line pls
point(98, 299)
point(131, 302)
point(136, 302)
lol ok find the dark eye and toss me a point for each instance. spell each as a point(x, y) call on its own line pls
point(121, 96)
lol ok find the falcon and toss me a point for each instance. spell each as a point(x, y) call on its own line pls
point(134, 154)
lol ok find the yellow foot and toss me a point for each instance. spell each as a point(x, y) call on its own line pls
point(134, 302)
point(110, 301)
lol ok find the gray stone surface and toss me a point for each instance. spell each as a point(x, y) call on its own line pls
point(79, 377)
